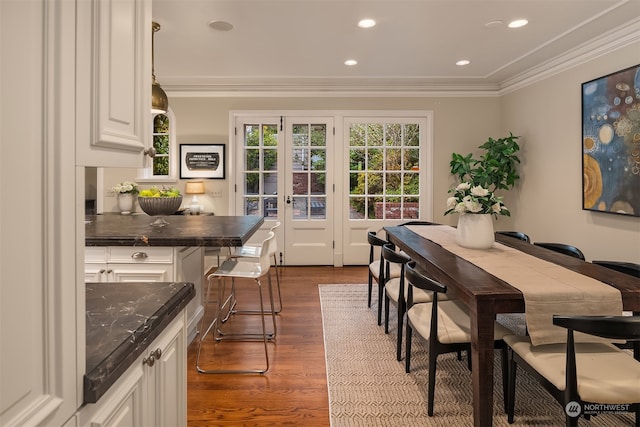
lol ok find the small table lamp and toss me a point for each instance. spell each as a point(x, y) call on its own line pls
point(195, 188)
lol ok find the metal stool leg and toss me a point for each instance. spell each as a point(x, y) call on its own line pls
point(265, 337)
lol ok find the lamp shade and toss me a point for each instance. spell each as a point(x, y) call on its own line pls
point(194, 187)
point(159, 99)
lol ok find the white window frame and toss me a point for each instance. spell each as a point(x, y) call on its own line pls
point(145, 174)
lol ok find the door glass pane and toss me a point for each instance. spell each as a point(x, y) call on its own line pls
point(318, 208)
point(260, 169)
point(309, 165)
point(252, 159)
point(300, 159)
point(270, 184)
point(357, 208)
point(271, 207)
point(318, 181)
point(300, 210)
point(318, 160)
point(300, 183)
point(252, 183)
point(251, 206)
point(270, 160)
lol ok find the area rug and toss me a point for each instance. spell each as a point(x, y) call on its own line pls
point(368, 387)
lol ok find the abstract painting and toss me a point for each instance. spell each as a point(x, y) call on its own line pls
point(611, 143)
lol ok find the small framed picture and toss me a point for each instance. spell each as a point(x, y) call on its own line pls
point(202, 161)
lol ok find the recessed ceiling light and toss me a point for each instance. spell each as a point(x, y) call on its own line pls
point(518, 23)
point(366, 23)
point(493, 24)
point(350, 62)
point(463, 62)
point(221, 25)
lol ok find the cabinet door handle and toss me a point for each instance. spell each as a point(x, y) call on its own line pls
point(149, 361)
point(157, 353)
point(139, 255)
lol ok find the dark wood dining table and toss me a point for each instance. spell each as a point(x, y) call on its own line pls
point(486, 296)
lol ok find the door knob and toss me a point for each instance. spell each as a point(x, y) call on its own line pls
point(288, 200)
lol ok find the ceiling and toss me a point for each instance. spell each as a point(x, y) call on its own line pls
point(301, 45)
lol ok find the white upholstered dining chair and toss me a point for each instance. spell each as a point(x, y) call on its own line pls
point(445, 325)
point(580, 373)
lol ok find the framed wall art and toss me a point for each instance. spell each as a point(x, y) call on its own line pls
point(202, 161)
point(611, 143)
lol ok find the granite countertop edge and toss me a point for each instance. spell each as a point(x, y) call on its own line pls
point(98, 381)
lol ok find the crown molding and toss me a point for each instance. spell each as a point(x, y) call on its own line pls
point(317, 87)
point(600, 46)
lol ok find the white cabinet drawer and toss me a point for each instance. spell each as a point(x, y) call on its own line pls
point(96, 254)
point(138, 255)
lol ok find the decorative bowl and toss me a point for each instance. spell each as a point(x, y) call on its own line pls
point(159, 206)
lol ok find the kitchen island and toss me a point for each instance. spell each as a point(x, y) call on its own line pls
point(136, 354)
point(127, 248)
point(122, 319)
point(113, 229)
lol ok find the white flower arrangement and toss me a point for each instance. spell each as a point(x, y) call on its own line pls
point(468, 198)
point(125, 187)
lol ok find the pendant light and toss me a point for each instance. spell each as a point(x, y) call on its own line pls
point(159, 99)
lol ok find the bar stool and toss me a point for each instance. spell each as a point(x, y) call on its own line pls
point(254, 252)
point(240, 269)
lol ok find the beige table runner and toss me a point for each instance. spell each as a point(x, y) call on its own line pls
point(548, 288)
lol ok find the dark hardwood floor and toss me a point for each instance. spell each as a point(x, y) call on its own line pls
point(294, 390)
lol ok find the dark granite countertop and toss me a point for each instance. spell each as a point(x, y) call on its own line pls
point(113, 229)
point(122, 319)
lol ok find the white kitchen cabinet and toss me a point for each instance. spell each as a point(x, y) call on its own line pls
point(126, 264)
point(40, 299)
point(113, 69)
point(150, 264)
point(152, 392)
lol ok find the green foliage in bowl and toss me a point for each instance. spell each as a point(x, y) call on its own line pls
point(157, 192)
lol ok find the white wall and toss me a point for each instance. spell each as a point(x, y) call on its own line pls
point(548, 205)
point(460, 124)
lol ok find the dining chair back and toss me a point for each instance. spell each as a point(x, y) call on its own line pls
point(563, 249)
point(377, 270)
point(516, 234)
point(395, 291)
point(581, 375)
point(629, 268)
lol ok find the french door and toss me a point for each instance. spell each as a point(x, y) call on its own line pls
point(283, 174)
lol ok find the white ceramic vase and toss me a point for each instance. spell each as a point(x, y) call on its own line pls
point(475, 231)
point(125, 203)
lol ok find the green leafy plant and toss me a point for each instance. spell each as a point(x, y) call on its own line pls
point(495, 170)
point(480, 178)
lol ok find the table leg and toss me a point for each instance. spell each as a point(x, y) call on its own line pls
point(482, 353)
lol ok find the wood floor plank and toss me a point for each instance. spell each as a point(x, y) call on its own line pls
point(294, 391)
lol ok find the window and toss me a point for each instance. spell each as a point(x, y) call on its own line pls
point(384, 172)
point(162, 167)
